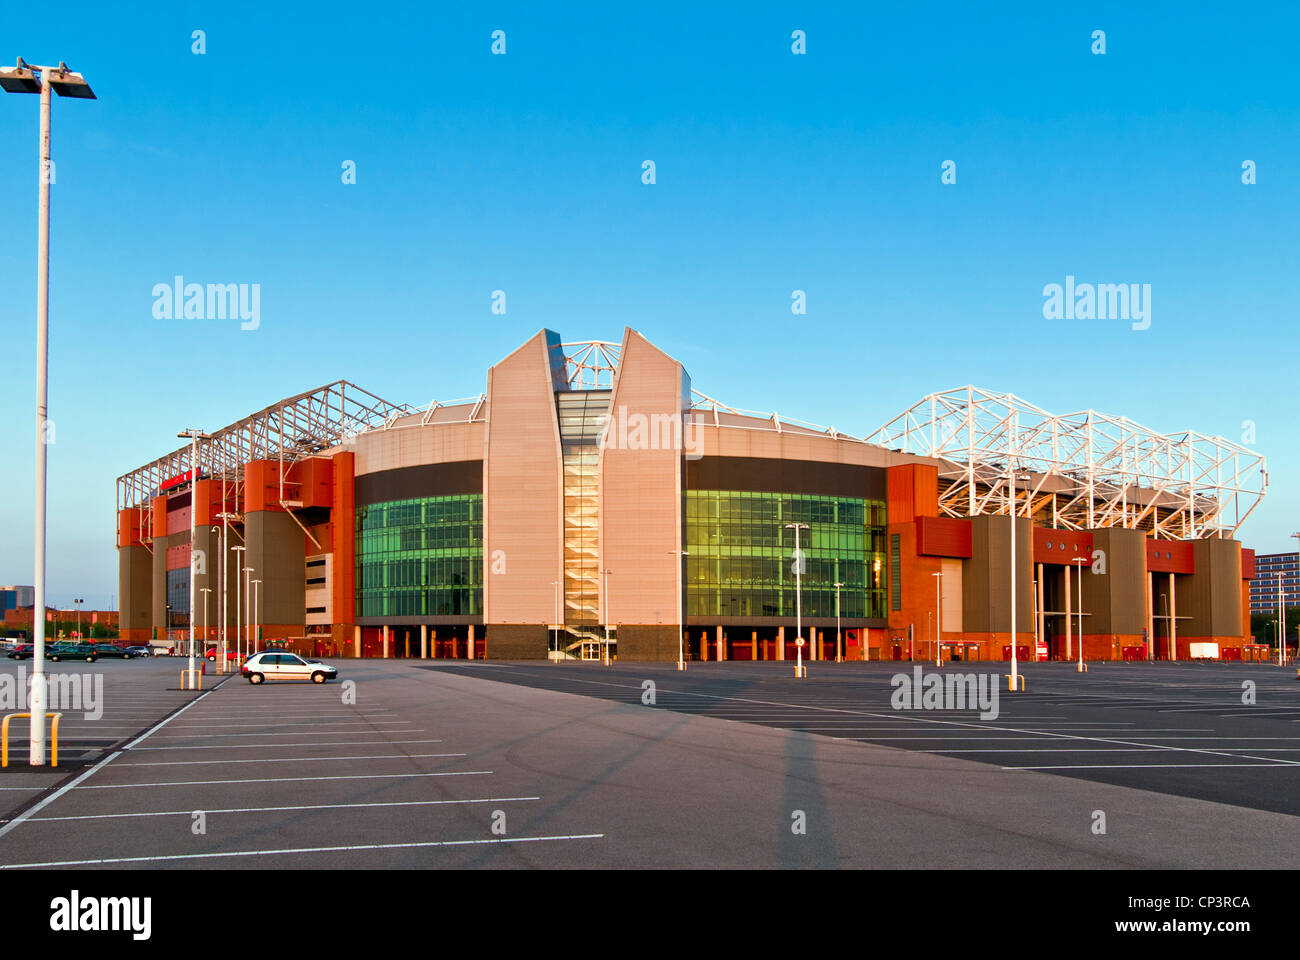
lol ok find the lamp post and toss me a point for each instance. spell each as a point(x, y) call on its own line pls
point(938, 618)
point(555, 656)
point(1011, 479)
point(798, 597)
point(1078, 563)
point(225, 517)
point(681, 618)
point(23, 78)
point(248, 613)
point(607, 573)
point(839, 654)
point(205, 591)
point(77, 602)
point(1281, 621)
point(194, 437)
point(1297, 536)
point(257, 615)
point(239, 605)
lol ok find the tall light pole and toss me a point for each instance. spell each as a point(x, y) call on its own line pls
point(1078, 563)
point(194, 436)
point(77, 602)
point(938, 618)
point(1011, 479)
point(239, 619)
point(1281, 621)
point(607, 573)
point(555, 657)
point(257, 615)
point(225, 517)
point(798, 597)
point(839, 654)
point(681, 617)
point(205, 591)
point(23, 79)
point(1297, 536)
point(248, 613)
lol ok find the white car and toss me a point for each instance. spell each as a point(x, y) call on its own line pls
point(282, 665)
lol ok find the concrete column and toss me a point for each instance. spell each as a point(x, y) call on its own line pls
point(385, 632)
point(1151, 612)
point(1042, 619)
point(814, 642)
point(1069, 645)
point(424, 641)
point(780, 643)
point(722, 645)
point(356, 641)
point(753, 644)
point(1173, 621)
point(470, 654)
point(433, 640)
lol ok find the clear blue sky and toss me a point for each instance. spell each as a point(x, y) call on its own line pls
point(522, 172)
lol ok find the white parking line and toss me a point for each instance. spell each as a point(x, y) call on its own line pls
point(298, 850)
point(1154, 766)
point(277, 746)
point(187, 763)
point(350, 733)
point(368, 776)
point(95, 769)
point(327, 723)
point(312, 806)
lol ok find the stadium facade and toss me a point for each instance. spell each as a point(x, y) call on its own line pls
point(591, 500)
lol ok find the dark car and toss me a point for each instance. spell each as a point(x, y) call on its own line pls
point(74, 651)
point(111, 650)
point(23, 651)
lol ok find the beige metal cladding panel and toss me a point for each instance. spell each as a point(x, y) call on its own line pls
point(409, 446)
point(1212, 595)
point(736, 442)
point(1122, 592)
point(951, 593)
point(277, 554)
point(135, 587)
point(640, 492)
point(159, 611)
point(523, 496)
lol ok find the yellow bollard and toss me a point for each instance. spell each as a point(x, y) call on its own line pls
point(54, 737)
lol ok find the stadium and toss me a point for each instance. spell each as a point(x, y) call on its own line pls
point(590, 503)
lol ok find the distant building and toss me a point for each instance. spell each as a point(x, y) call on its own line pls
point(1264, 587)
point(12, 597)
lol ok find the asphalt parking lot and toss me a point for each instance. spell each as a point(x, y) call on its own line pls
point(1178, 728)
point(110, 702)
point(486, 764)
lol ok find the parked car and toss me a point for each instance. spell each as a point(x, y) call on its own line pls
point(111, 650)
point(24, 651)
point(138, 651)
point(231, 654)
point(74, 651)
point(279, 665)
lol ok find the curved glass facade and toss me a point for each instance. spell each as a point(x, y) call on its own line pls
point(741, 555)
point(421, 557)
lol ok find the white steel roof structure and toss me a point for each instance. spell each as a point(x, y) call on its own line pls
point(292, 428)
point(1079, 470)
